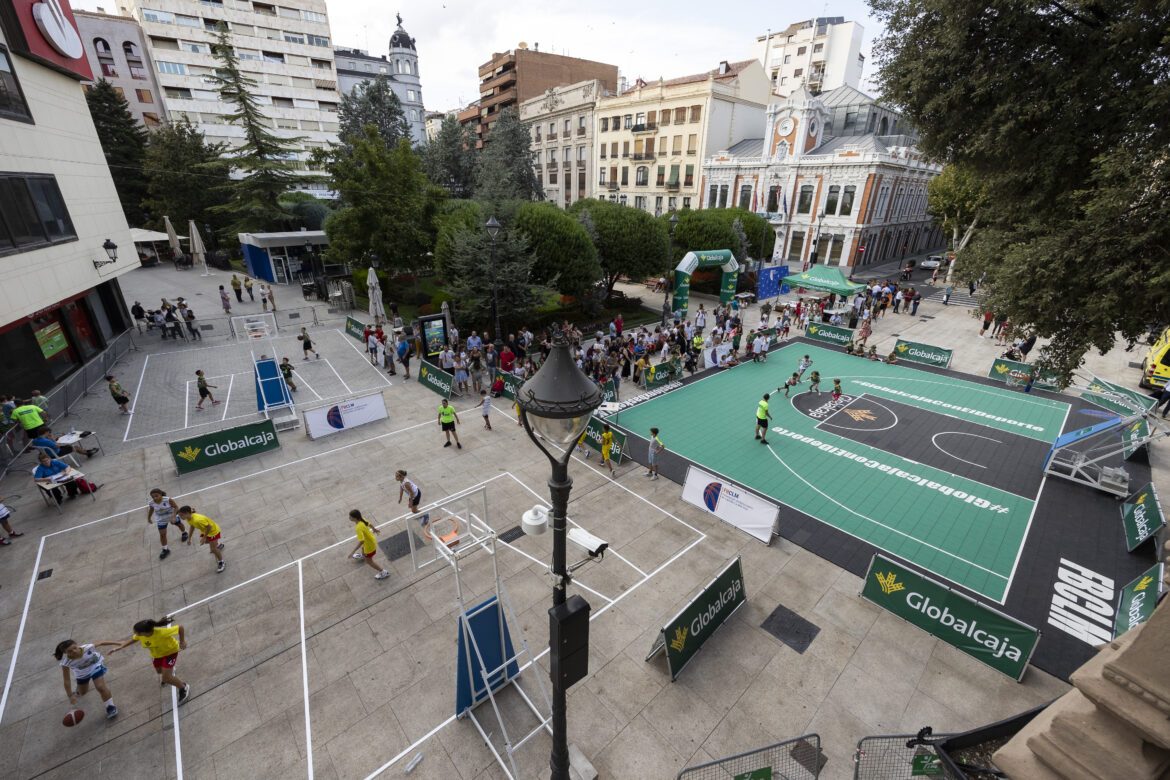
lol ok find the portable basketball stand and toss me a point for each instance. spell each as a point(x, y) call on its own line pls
point(272, 393)
point(487, 663)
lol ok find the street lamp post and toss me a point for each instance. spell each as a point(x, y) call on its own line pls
point(817, 241)
point(493, 230)
point(555, 407)
point(666, 278)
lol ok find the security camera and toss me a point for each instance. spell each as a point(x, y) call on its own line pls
point(588, 542)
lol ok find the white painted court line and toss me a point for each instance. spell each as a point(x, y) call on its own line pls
point(305, 668)
point(413, 746)
point(934, 441)
point(365, 358)
point(175, 720)
point(32, 582)
point(302, 379)
point(186, 403)
point(339, 379)
point(228, 397)
point(138, 389)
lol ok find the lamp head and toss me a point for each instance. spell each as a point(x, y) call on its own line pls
point(493, 227)
point(559, 399)
point(111, 250)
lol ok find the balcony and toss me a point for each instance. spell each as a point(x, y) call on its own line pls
point(537, 166)
point(644, 156)
point(580, 131)
point(581, 164)
point(691, 152)
point(552, 136)
point(672, 186)
point(603, 155)
point(507, 77)
point(612, 186)
point(645, 127)
point(537, 139)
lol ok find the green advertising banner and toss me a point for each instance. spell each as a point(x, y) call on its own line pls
point(1003, 643)
point(830, 333)
point(435, 378)
point(1138, 599)
point(682, 292)
point(51, 339)
point(659, 375)
point(1135, 398)
point(213, 449)
point(1135, 436)
point(1143, 517)
point(355, 329)
point(727, 287)
point(1004, 369)
point(917, 352)
point(593, 439)
point(694, 625)
point(511, 384)
point(609, 393)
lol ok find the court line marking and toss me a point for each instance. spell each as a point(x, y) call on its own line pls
point(934, 441)
point(227, 398)
point(1028, 527)
point(301, 377)
point(305, 668)
point(186, 403)
point(339, 379)
point(365, 357)
point(32, 583)
point(136, 391)
point(175, 720)
point(826, 422)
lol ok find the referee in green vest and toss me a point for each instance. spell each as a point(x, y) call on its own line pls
point(447, 420)
point(29, 416)
point(762, 417)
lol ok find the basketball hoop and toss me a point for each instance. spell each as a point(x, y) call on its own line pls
point(450, 538)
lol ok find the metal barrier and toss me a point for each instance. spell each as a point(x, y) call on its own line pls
point(67, 394)
point(291, 319)
point(795, 759)
point(898, 757)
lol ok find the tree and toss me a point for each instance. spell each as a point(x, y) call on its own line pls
point(124, 144)
point(629, 241)
point(372, 103)
point(390, 206)
point(264, 159)
point(702, 230)
point(565, 256)
point(307, 212)
point(183, 174)
point(504, 171)
point(455, 216)
point(449, 160)
point(470, 277)
point(1058, 113)
point(955, 198)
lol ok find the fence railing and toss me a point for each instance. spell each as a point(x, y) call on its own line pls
point(288, 321)
point(795, 759)
point(63, 397)
point(898, 756)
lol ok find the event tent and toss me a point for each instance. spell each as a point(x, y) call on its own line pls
point(823, 277)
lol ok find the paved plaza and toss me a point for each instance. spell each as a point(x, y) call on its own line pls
point(302, 665)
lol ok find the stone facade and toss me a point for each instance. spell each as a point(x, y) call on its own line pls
point(821, 54)
point(116, 51)
point(400, 68)
point(562, 125)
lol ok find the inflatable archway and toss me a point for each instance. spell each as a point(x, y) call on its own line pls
point(709, 259)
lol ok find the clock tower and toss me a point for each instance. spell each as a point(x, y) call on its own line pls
point(795, 126)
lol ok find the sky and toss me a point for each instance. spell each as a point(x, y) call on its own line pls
point(647, 39)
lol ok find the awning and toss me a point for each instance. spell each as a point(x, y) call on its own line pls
point(823, 277)
point(140, 236)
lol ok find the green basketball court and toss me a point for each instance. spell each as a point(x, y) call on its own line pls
point(939, 471)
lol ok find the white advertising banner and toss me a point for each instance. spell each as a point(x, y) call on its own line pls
point(325, 420)
point(730, 503)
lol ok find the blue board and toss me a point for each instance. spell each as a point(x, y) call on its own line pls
point(271, 389)
point(769, 282)
point(485, 622)
point(1068, 438)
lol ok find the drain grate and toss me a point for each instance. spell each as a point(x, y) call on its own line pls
point(809, 757)
point(512, 534)
point(45, 574)
point(397, 546)
point(790, 628)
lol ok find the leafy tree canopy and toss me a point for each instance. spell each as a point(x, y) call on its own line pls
point(124, 144)
point(565, 256)
point(449, 158)
point(1058, 113)
point(372, 102)
point(184, 174)
point(629, 241)
point(469, 271)
point(456, 216)
point(504, 171)
point(307, 211)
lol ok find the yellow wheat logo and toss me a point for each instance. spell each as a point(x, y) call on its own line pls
point(1145, 583)
point(1097, 388)
point(651, 372)
point(189, 454)
point(680, 639)
point(422, 373)
point(1002, 368)
point(889, 583)
point(813, 329)
point(860, 414)
point(1133, 428)
point(903, 347)
point(1141, 498)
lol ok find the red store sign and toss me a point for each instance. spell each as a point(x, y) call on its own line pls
point(45, 31)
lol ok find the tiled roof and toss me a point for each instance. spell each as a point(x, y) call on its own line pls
point(749, 147)
point(844, 96)
point(862, 143)
point(733, 70)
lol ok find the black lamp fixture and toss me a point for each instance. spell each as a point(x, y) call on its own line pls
point(111, 252)
point(555, 407)
point(493, 230)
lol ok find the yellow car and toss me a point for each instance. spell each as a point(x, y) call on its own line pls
point(1156, 365)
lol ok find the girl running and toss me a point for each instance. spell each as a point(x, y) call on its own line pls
point(204, 390)
point(164, 642)
point(791, 383)
point(485, 401)
point(83, 664)
point(814, 383)
point(163, 510)
point(209, 534)
point(410, 489)
point(836, 389)
point(606, 448)
point(367, 546)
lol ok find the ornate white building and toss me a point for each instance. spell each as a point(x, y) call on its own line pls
point(839, 177)
point(561, 123)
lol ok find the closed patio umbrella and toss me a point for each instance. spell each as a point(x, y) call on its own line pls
point(198, 251)
point(375, 295)
point(173, 240)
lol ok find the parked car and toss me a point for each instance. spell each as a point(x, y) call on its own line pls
point(934, 261)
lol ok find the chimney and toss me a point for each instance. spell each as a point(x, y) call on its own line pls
point(536, 46)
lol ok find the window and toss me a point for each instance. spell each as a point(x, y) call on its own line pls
point(178, 93)
point(131, 51)
point(677, 147)
point(625, 175)
point(406, 66)
point(622, 199)
point(625, 148)
point(666, 116)
point(552, 129)
point(649, 148)
point(723, 196)
point(382, 69)
point(627, 121)
point(286, 124)
point(173, 68)
point(288, 13)
point(581, 154)
point(603, 147)
point(282, 102)
point(144, 96)
point(298, 38)
point(616, 122)
point(797, 73)
point(310, 125)
point(551, 156)
point(269, 33)
point(838, 242)
point(745, 196)
point(686, 203)
point(196, 48)
point(784, 80)
point(640, 119)
point(32, 213)
point(613, 149)
point(322, 64)
point(642, 176)
point(818, 48)
point(605, 124)
point(109, 70)
point(692, 144)
point(696, 113)
point(673, 180)
point(689, 179)
point(568, 126)
point(773, 200)
point(567, 154)
point(188, 21)
point(800, 52)
point(850, 122)
point(410, 95)
point(581, 124)
point(150, 119)
point(847, 201)
point(658, 203)
point(712, 196)
point(640, 202)
point(831, 202)
point(330, 107)
point(12, 103)
point(162, 17)
point(804, 200)
point(552, 175)
point(313, 16)
point(662, 145)
point(661, 180)
point(796, 246)
point(212, 25)
point(212, 3)
point(601, 180)
point(317, 40)
point(787, 59)
point(272, 56)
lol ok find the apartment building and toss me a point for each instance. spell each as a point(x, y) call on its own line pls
point(61, 224)
point(116, 50)
point(434, 121)
point(839, 177)
point(822, 54)
point(510, 78)
point(562, 125)
point(400, 68)
point(285, 48)
point(652, 138)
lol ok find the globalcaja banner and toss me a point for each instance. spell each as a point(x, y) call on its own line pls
point(730, 503)
point(212, 449)
point(355, 329)
point(916, 352)
point(1134, 436)
point(325, 420)
point(511, 384)
point(1142, 517)
point(593, 435)
point(435, 378)
point(1117, 398)
point(609, 393)
point(1004, 369)
point(829, 333)
point(687, 631)
point(1003, 643)
point(660, 374)
point(1138, 599)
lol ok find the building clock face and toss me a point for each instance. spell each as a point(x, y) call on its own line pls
point(812, 127)
point(786, 126)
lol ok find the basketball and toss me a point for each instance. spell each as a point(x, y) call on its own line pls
point(72, 718)
point(299, 337)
